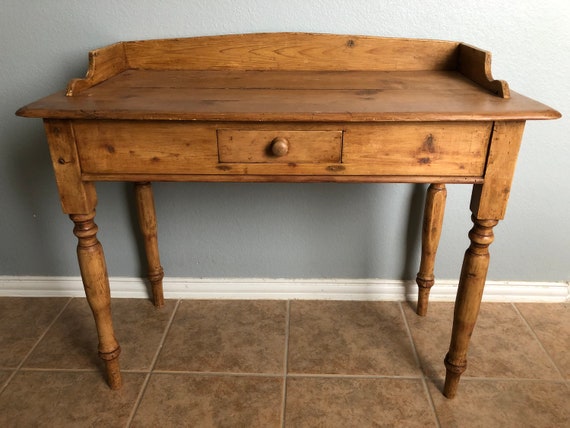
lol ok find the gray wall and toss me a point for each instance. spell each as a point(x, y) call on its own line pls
point(284, 230)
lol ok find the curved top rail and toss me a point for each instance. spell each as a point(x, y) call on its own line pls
point(293, 51)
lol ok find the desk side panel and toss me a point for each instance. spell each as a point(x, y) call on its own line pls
point(76, 195)
point(489, 199)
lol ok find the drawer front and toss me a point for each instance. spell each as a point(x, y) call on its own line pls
point(456, 149)
point(339, 152)
point(279, 146)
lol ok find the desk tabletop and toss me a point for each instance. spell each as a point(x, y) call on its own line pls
point(289, 77)
point(353, 96)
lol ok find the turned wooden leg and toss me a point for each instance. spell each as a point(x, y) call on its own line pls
point(431, 232)
point(468, 301)
point(147, 222)
point(96, 283)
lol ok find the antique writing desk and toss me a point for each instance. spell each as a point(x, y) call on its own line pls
point(288, 107)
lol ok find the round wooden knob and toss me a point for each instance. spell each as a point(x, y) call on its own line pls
point(280, 146)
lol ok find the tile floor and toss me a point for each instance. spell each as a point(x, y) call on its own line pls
point(278, 363)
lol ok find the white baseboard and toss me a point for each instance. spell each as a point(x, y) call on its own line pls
point(284, 289)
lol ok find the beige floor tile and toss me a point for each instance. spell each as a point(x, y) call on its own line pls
point(345, 337)
point(22, 322)
point(226, 336)
point(365, 338)
point(501, 347)
point(67, 399)
point(345, 402)
point(551, 323)
point(176, 400)
point(71, 343)
point(504, 404)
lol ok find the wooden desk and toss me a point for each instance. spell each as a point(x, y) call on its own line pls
point(288, 107)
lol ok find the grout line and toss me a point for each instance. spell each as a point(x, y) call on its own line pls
point(217, 374)
point(280, 375)
point(42, 369)
point(410, 338)
point(285, 364)
point(430, 401)
point(44, 333)
point(7, 381)
point(75, 370)
point(17, 369)
point(418, 362)
point(505, 379)
point(533, 333)
point(152, 364)
point(3, 387)
point(352, 376)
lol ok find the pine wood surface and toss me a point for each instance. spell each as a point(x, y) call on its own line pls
point(149, 229)
point(122, 148)
point(292, 51)
point(288, 107)
point(431, 232)
point(347, 96)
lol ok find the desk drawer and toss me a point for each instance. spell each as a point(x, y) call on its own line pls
point(279, 146)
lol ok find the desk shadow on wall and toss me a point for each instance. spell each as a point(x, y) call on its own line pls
point(32, 229)
point(136, 233)
point(413, 241)
point(318, 230)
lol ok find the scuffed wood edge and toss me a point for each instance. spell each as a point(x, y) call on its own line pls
point(103, 64)
point(475, 64)
point(489, 200)
point(76, 195)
